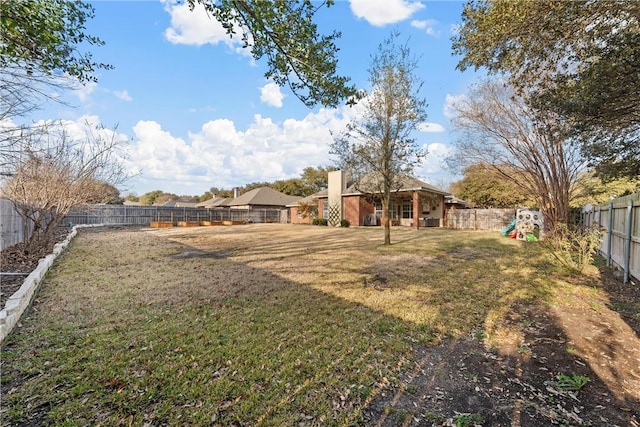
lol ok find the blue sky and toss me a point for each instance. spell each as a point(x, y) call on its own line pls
point(198, 112)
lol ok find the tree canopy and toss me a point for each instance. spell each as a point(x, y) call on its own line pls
point(283, 31)
point(46, 36)
point(105, 193)
point(486, 188)
point(578, 58)
point(42, 50)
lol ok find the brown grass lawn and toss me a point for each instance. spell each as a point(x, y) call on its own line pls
point(280, 325)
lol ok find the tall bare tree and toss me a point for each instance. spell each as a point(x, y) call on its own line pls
point(56, 172)
point(378, 149)
point(524, 146)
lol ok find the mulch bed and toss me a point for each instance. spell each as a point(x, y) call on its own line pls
point(14, 260)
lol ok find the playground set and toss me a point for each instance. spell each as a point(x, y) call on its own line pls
point(526, 226)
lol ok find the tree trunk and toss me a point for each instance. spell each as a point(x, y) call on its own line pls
point(385, 218)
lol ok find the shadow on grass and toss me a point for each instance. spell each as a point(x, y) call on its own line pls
point(160, 341)
point(257, 326)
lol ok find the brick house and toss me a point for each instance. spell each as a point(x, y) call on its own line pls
point(296, 215)
point(415, 203)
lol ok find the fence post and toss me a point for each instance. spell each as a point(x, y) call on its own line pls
point(610, 231)
point(627, 242)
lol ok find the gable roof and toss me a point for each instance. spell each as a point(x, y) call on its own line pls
point(453, 200)
point(367, 185)
point(214, 202)
point(264, 196)
point(407, 183)
point(176, 204)
point(307, 199)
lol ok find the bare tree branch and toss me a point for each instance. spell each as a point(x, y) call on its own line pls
point(526, 147)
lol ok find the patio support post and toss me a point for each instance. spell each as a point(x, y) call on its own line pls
point(416, 210)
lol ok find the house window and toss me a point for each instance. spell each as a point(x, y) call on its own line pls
point(407, 210)
point(393, 210)
point(325, 209)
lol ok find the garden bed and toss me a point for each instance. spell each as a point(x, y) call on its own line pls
point(161, 224)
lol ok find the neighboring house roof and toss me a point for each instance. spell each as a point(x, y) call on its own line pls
point(367, 185)
point(307, 199)
point(176, 204)
point(453, 200)
point(264, 196)
point(214, 202)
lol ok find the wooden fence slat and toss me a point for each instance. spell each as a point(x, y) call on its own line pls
point(620, 220)
point(479, 219)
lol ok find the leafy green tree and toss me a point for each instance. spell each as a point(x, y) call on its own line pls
point(591, 189)
point(378, 148)
point(215, 192)
point(292, 187)
point(485, 188)
point(42, 46)
point(46, 36)
point(579, 58)
point(316, 179)
point(297, 55)
point(106, 193)
point(150, 197)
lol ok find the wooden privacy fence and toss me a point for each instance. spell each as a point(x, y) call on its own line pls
point(11, 225)
point(144, 215)
point(479, 219)
point(620, 246)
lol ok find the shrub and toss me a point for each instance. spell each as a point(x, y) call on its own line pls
point(320, 221)
point(573, 248)
point(344, 223)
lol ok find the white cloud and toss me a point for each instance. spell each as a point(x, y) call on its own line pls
point(450, 105)
point(430, 127)
point(435, 160)
point(429, 26)
point(196, 27)
point(84, 91)
point(383, 12)
point(270, 93)
point(220, 155)
point(123, 95)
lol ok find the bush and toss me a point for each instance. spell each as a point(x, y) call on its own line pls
point(344, 223)
point(320, 221)
point(573, 248)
